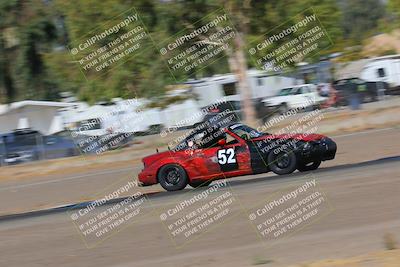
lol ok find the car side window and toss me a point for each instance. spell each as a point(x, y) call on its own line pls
point(9, 139)
point(297, 91)
point(27, 139)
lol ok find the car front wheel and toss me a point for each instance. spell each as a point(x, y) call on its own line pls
point(172, 177)
point(283, 162)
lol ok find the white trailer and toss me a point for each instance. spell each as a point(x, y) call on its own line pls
point(219, 87)
point(130, 116)
point(383, 69)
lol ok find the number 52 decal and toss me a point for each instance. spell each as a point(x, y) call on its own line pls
point(226, 156)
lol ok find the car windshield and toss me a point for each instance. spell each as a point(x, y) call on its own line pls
point(245, 131)
point(286, 91)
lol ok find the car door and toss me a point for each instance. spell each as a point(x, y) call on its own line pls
point(297, 99)
point(231, 159)
point(310, 96)
point(54, 147)
point(27, 145)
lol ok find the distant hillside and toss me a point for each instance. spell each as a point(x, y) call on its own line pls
point(382, 44)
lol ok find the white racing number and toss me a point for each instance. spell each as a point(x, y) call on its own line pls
point(226, 156)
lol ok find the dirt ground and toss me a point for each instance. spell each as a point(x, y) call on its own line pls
point(390, 258)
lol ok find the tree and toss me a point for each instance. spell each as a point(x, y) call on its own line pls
point(186, 14)
point(26, 33)
point(143, 74)
point(7, 87)
point(237, 58)
point(42, 64)
point(393, 8)
point(360, 17)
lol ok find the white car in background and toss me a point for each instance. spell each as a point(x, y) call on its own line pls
point(299, 96)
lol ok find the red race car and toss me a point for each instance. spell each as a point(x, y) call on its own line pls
point(235, 150)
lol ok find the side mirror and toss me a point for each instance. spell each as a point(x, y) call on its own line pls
point(221, 142)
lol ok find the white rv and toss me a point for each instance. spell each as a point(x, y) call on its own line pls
point(383, 69)
point(219, 87)
point(129, 116)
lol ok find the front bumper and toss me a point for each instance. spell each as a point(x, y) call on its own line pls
point(320, 150)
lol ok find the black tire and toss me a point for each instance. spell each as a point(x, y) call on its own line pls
point(283, 108)
point(196, 184)
point(310, 108)
point(283, 162)
point(309, 166)
point(172, 177)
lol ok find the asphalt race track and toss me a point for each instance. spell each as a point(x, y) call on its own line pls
point(363, 206)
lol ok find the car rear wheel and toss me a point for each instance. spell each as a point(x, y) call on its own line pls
point(309, 166)
point(172, 177)
point(196, 184)
point(283, 162)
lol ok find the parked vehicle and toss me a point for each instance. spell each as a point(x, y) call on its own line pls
point(132, 116)
point(384, 69)
point(28, 145)
point(368, 91)
point(299, 96)
point(225, 86)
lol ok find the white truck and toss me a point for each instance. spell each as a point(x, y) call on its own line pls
point(299, 96)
